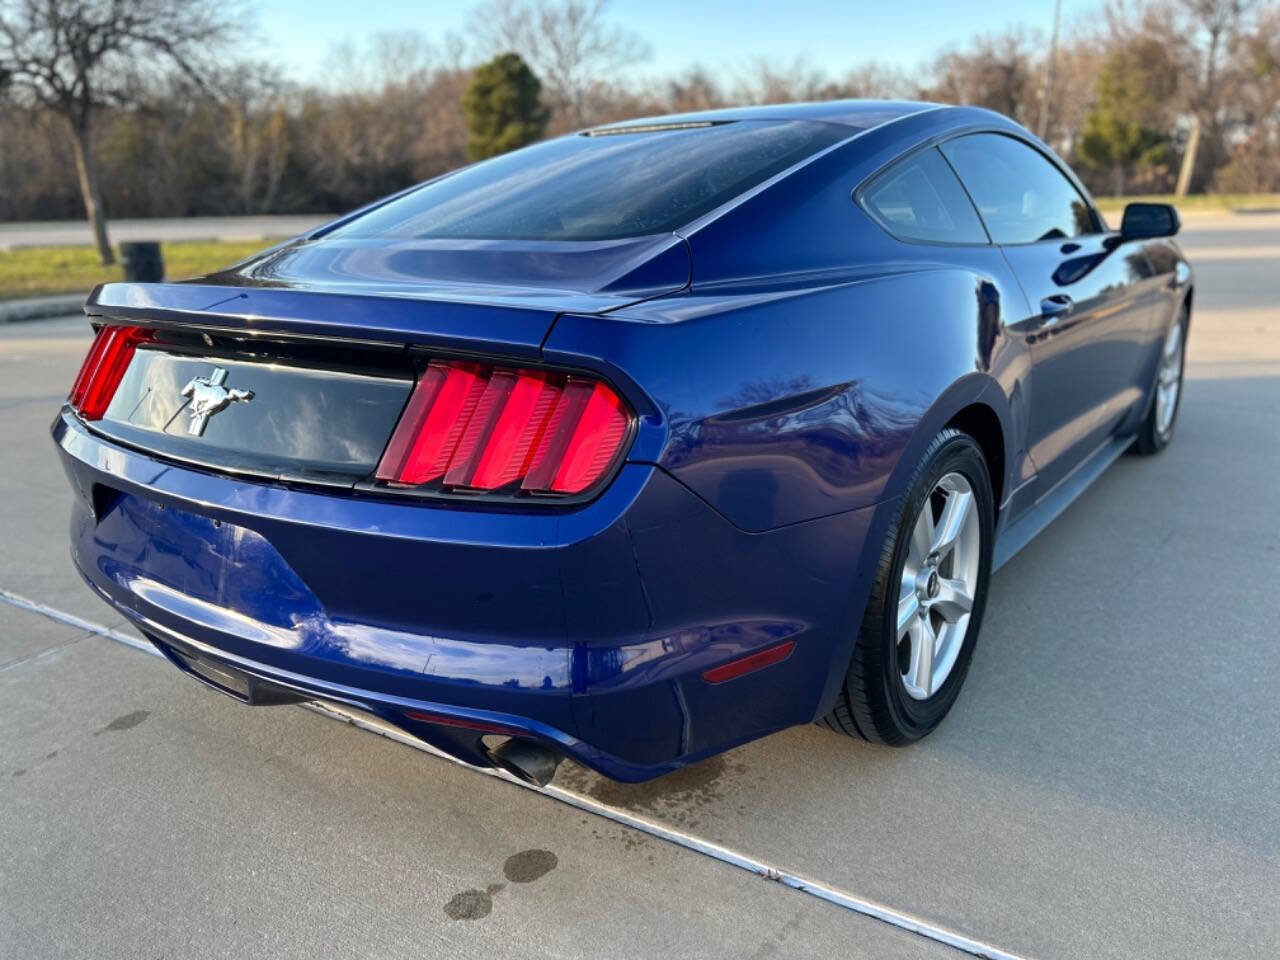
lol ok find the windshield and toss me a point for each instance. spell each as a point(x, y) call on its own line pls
point(604, 186)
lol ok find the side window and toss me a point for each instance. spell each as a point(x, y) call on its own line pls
point(919, 198)
point(1021, 195)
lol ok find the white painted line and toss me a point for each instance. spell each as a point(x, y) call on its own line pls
point(71, 619)
point(841, 898)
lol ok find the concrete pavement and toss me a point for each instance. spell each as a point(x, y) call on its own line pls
point(146, 818)
point(63, 233)
point(1104, 788)
point(40, 308)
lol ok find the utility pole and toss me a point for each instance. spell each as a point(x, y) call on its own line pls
point(1188, 160)
point(1046, 90)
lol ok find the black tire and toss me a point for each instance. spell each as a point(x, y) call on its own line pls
point(874, 704)
point(1151, 439)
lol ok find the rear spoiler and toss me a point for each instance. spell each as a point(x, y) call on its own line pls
point(455, 324)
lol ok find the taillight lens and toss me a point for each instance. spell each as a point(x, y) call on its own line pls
point(104, 368)
point(472, 426)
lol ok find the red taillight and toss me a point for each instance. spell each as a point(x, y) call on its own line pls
point(471, 426)
point(104, 368)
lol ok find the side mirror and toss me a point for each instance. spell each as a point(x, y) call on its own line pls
point(1142, 221)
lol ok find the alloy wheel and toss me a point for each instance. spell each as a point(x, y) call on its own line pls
point(938, 584)
point(1169, 379)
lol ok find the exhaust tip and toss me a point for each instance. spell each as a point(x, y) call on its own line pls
point(526, 760)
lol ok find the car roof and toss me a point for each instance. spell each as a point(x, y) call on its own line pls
point(855, 114)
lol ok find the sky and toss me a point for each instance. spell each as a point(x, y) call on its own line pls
point(723, 35)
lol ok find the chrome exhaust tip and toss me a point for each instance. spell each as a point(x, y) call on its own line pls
point(526, 760)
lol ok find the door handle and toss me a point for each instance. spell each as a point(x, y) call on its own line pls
point(1055, 307)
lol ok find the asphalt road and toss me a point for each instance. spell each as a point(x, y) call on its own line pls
point(1106, 786)
point(61, 233)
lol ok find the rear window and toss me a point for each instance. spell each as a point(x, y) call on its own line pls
point(601, 187)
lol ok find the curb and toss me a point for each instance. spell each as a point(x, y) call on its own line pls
point(40, 308)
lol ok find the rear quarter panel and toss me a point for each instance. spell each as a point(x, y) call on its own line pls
point(786, 405)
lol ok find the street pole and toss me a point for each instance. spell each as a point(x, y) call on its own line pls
point(1188, 160)
point(1046, 90)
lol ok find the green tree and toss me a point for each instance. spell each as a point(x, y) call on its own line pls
point(502, 107)
point(74, 58)
point(1128, 128)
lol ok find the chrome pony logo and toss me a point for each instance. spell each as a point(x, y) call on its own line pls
point(208, 396)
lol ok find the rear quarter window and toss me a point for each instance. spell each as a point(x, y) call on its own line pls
point(920, 198)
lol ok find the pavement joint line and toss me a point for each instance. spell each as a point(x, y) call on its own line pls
point(33, 606)
point(41, 654)
point(796, 881)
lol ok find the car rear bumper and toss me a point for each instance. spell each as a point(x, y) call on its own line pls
point(586, 629)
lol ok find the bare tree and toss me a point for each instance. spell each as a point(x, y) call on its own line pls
point(1212, 29)
point(569, 44)
point(74, 57)
point(252, 99)
point(1079, 61)
point(179, 137)
point(695, 89)
point(1205, 38)
point(997, 71)
point(1255, 151)
point(878, 81)
point(767, 81)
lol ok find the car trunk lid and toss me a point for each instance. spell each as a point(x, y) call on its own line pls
point(461, 295)
point(318, 420)
point(308, 380)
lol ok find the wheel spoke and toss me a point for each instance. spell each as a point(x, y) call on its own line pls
point(920, 672)
point(953, 600)
point(908, 611)
point(954, 513)
point(922, 535)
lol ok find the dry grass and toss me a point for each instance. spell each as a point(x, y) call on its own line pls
point(42, 271)
point(1201, 201)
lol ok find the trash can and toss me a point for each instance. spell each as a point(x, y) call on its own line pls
point(143, 262)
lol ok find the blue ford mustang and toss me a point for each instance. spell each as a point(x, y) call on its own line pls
point(632, 445)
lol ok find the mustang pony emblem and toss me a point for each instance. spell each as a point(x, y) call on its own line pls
point(208, 396)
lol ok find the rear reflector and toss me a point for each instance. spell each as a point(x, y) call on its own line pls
point(465, 723)
point(752, 662)
point(475, 427)
point(104, 368)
